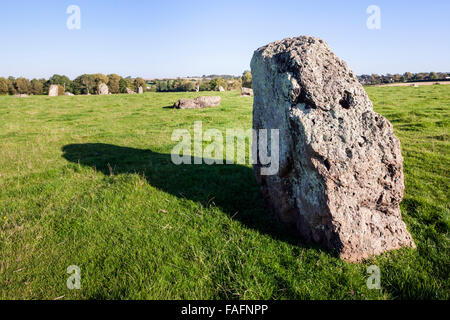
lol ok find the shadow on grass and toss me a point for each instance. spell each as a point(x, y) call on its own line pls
point(232, 188)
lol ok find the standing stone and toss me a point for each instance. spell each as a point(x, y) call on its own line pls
point(103, 89)
point(53, 90)
point(340, 178)
point(221, 89)
point(140, 90)
point(197, 88)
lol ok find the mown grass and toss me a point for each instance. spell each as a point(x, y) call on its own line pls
point(88, 181)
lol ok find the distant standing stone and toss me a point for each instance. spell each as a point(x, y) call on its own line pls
point(140, 90)
point(221, 89)
point(53, 90)
point(103, 89)
point(340, 178)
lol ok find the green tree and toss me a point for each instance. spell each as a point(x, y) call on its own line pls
point(123, 85)
point(408, 76)
point(216, 83)
point(247, 79)
point(22, 85)
point(161, 86)
point(36, 87)
point(139, 82)
point(84, 84)
point(4, 86)
point(114, 83)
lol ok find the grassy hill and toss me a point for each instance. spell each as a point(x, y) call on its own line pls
point(88, 181)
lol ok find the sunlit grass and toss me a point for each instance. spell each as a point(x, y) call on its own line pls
point(88, 181)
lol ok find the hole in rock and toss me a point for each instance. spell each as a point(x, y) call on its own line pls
point(327, 164)
point(346, 100)
point(349, 153)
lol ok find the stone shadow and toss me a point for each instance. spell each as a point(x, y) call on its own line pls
point(232, 188)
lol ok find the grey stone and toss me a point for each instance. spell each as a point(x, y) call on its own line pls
point(129, 91)
point(340, 178)
point(246, 92)
point(221, 89)
point(103, 89)
point(197, 103)
point(140, 90)
point(53, 90)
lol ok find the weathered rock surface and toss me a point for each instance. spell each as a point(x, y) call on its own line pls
point(246, 92)
point(68, 94)
point(340, 178)
point(53, 90)
point(129, 91)
point(140, 90)
point(103, 89)
point(221, 89)
point(197, 103)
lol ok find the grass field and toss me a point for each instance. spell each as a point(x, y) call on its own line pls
point(88, 181)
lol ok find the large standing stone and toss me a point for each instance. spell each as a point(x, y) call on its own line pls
point(53, 90)
point(197, 103)
point(340, 179)
point(103, 89)
point(140, 90)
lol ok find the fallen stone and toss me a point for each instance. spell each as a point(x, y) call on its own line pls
point(68, 94)
point(129, 91)
point(340, 178)
point(22, 95)
point(221, 89)
point(246, 92)
point(197, 103)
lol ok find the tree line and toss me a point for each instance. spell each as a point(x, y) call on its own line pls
point(227, 83)
point(374, 79)
point(84, 84)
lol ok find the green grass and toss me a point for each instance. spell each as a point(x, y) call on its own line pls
point(88, 181)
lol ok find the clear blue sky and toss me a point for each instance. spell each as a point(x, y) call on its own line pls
point(185, 38)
